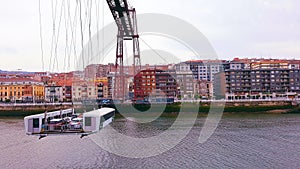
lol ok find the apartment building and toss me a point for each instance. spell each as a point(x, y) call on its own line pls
point(144, 84)
point(102, 88)
point(97, 71)
point(202, 69)
point(187, 85)
point(84, 90)
point(166, 84)
point(264, 79)
point(153, 83)
point(204, 90)
point(21, 89)
point(54, 94)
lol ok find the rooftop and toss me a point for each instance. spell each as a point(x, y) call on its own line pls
point(18, 80)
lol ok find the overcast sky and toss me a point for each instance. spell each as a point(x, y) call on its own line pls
point(251, 28)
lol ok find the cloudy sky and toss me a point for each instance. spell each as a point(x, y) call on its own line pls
point(251, 28)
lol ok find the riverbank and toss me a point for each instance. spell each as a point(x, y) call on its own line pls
point(274, 107)
point(29, 109)
point(204, 109)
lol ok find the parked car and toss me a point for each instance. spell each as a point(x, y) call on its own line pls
point(55, 124)
point(68, 119)
point(76, 124)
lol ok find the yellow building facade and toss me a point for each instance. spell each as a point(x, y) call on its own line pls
point(20, 89)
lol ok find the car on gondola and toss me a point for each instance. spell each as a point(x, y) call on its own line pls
point(54, 123)
point(76, 124)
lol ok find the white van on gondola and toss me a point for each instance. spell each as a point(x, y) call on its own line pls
point(55, 123)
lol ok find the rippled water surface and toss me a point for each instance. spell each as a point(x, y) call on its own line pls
point(240, 141)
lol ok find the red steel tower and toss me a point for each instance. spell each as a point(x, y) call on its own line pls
point(125, 18)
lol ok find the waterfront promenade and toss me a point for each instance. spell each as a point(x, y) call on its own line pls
point(274, 100)
point(39, 104)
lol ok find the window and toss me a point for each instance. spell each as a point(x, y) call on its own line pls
point(36, 123)
point(88, 121)
point(109, 115)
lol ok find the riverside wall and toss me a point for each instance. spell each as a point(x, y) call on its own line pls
point(38, 106)
point(230, 106)
point(49, 107)
point(251, 103)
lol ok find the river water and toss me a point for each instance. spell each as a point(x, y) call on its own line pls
point(240, 141)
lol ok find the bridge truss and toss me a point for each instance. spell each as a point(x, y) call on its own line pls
point(126, 21)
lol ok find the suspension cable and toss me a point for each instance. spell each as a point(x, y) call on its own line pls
point(53, 30)
point(41, 36)
point(81, 31)
point(57, 38)
point(66, 19)
point(90, 32)
point(74, 34)
point(97, 23)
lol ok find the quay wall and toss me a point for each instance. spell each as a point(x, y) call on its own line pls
point(30, 109)
point(250, 103)
point(204, 107)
